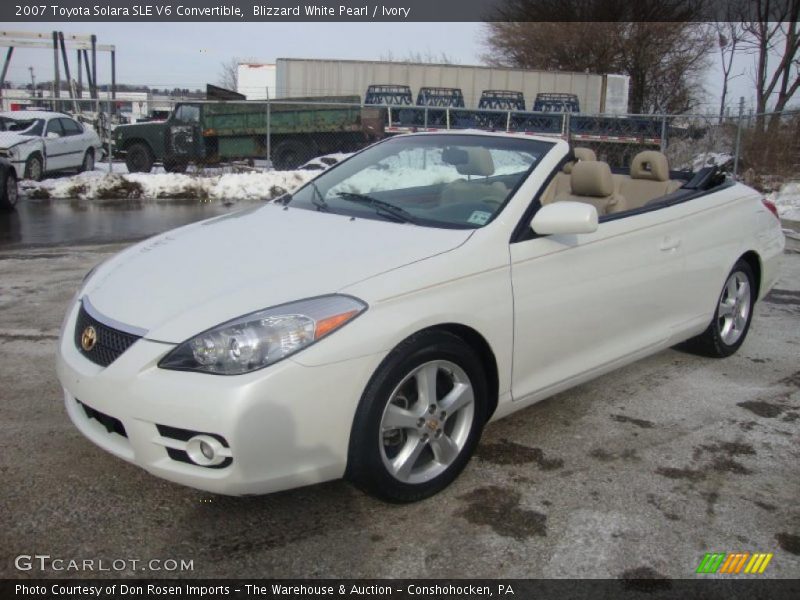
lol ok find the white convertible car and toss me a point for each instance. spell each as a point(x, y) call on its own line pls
point(41, 142)
point(372, 323)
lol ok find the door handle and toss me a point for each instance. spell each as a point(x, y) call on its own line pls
point(669, 243)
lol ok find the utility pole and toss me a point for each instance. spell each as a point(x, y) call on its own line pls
point(33, 82)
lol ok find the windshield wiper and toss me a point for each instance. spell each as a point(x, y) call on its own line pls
point(317, 199)
point(381, 207)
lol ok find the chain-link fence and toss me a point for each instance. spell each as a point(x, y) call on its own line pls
point(173, 133)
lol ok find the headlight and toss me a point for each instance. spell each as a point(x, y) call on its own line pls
point(262, 338)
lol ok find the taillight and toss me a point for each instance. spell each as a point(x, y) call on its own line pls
point(771, 207)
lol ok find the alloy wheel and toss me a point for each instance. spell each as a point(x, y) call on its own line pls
point(734, 308)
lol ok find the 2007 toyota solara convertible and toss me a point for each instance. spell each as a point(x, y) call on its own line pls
point(369, 325)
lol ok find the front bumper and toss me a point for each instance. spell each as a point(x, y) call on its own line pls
point(283, 427)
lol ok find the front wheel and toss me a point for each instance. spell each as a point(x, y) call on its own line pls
point(34, 168)
point(419, 419)
point(10, 192)
point(728, 329)
point(139, 159)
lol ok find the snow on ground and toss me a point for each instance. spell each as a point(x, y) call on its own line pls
point(224, 183)
point(787, 199)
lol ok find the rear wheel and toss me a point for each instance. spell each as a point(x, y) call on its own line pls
point(139, 158)
point(34, 168)
point(728, 330)
point(419, 419)
point(10, 192)
point(88, 161)
point(175, 166)
point(290, 154)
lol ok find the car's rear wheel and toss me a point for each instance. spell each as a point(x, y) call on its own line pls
point(419, 419)
point(728, 329)
point(10, 192)
point(138, 158)
point(88, 161)
point(34, 168)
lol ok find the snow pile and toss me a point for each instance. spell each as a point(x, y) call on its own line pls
point(787, 199)
point(711, 159)
point(228, 186)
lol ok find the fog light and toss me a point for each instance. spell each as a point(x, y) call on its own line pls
point(205, 450)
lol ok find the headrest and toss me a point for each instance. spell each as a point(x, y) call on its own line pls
point(580, 154)
point(479, 162)
point(591, 178)
point(651, 165)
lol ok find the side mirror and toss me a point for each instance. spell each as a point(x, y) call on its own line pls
point(52, 135)
point(565, 217)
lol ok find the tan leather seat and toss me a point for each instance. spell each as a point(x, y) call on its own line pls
point(560, 184)
point(649, 178)
point(591, 182)
point(479, 163)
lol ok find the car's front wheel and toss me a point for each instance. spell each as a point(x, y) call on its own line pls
point(419, 419)
point(34, 168)
point(728, 329)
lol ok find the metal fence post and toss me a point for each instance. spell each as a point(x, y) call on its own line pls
point(738, 138)
point(447, 112)
point(663, 143)
point(508, 121)
point(426, 117)
point(269, 133)
point(108, 134)
point(389, 114)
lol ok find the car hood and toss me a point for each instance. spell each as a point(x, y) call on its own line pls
point(182, 282)
point(9, 139)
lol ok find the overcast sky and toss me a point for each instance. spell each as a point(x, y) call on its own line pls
point(188, 55)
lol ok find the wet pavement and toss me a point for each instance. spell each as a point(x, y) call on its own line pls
point(60, 222)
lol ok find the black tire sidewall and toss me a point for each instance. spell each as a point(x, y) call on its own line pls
point(5, 202)
point(139, 150)
point(88, 157)
point(365, 464)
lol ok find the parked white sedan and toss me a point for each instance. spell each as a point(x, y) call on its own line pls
point(41, 142)
point(370, 325)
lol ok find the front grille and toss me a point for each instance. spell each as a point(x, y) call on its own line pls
point(109, 343)
point(111, 424)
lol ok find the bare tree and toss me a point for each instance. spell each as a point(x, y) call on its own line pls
point(774, 35)
point(427, 57)
point(229, 74)
point(661, 45)
point(730, 36)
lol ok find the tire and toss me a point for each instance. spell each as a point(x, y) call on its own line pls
point(431, 444)
point(174, 166)
point(10, 192)
point(34, 167)
point(88, 162)
point(728, 329)
point(290, 154)
point(139, 158)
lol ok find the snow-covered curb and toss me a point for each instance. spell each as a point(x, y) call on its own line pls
point(211, 184)
point(787, 200)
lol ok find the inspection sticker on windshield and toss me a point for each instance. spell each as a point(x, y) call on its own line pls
point(479, 217)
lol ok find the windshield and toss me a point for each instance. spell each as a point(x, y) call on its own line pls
point(23, 126)
point(453, 181)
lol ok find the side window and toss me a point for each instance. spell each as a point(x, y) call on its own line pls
point(54, 126)
point(188, 113)
point(71, 127)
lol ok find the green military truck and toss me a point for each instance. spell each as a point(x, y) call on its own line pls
point(212, 132)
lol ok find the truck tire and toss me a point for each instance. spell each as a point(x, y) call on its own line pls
point(290, 154)
point(175, 166)
point(139, 158)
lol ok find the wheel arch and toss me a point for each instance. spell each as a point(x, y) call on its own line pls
point(753, 260)
point(475, 340)
point(130, 142)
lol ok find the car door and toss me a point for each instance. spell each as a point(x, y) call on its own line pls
point(54, 146)
point(74, 143)
point(184, 139)
point(587, 302)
